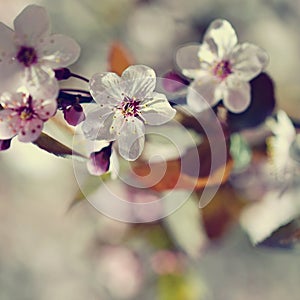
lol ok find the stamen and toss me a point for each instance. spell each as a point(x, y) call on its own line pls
point(27, 56)
point(129, 107)
point(222, 69)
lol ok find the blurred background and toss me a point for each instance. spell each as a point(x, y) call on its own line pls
point(48, 251)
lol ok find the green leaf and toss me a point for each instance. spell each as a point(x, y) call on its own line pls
point(53, 146)
point(240, 151)
point(180, 286)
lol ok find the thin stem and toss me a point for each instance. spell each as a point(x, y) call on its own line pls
point(76, 91)
point(66, 99)
point(79, 77)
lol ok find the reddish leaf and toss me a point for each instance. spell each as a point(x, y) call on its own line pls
point(222, 212)
point(180, 173)
point(119, 58)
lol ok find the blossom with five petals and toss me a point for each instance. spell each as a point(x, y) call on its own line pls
point(221, 68)
point(123, 106)
point(24, 116)
point(29, 54)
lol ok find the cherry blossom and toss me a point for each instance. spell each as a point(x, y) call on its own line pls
point(29, 55)
point(24, 116)
point(124, 105)
point(221, 68)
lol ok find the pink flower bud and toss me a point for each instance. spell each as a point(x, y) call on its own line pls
point(74, 114)
point(4, 144)
point(99, 161)
point(172, 82)
point(62, 74)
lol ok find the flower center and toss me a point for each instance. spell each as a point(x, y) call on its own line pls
point(222, 69)
point(27, 56)
point(26, 112)
point(130, 107)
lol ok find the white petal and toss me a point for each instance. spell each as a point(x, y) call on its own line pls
point(221, 37)
point(45, 109)
point(41, 82)
point(9, 124)
point(32, 24)
point(12, 100)
point(10, 76)
point(98, 123)
point(202, 93)
point(248, 61)
point(58, 51)
point(187, 60)
point(131, 139)
point(31, 130)
point(106, 88)
point(236, 97)
point(7, 40)
point(139, 81)
point(207, 53)
point(158, 110)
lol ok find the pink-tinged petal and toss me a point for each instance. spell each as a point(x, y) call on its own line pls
point(98, 123)
point(58, 51)
point(45, 109)
point(221, 38)
point(9, 124)
point(31, 24)
point(99, 161)
point(10, 76)
point(248, 61)
point(138, 81)
point(7, 41)
point(74, 115)
point(131, 139)
point(12, 100)
point(41, 82)
point(30, 130)
point(4, 144)
point(236, 96)
point(158, 110)
point(202, 93)
point(172, 82)
point(105, 88)
point(187, 60)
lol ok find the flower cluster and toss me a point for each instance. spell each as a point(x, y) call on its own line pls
point(33, 61)
point(28, 57)
point(117, 108)
point(213, 92)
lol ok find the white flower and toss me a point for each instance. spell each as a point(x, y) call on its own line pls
point(280, 146)
point(24, 116)
point(124, 105)
point(29, 54)
point(221, 68)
